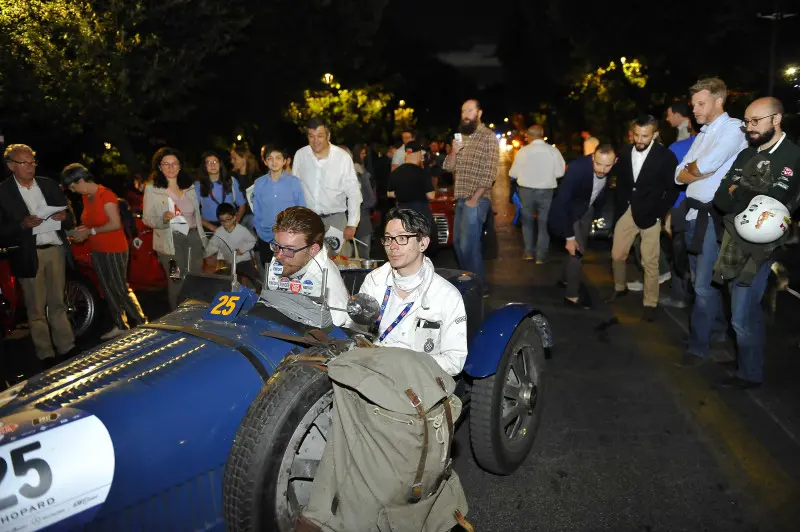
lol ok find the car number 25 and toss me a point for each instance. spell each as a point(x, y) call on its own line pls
point(22, 463)
point(61, 468)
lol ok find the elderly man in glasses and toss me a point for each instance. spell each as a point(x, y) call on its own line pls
point(298, 265)
point(420, 310)
point(35, 235)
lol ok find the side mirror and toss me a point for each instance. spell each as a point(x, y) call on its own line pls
point(363, 309)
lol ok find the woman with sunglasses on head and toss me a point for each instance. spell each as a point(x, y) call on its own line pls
point(102, 226)
point(215, 187)
point(172, 210)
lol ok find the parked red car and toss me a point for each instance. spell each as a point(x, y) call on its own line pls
point(443, 208)
point(83, 292)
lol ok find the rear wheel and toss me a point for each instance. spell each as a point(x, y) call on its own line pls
point(277, 450)
point(506, 407)
point(81, 300)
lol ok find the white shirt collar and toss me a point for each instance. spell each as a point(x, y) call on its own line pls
point(22, 187)
point(775, 147)
point(721, 119)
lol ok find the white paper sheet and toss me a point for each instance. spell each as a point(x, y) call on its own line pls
point(45, 212)
point(179, 224)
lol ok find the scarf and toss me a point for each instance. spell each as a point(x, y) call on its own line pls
point(411, 282)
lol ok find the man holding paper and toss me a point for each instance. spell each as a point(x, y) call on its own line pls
point(33, 219)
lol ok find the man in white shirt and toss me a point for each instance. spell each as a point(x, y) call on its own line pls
point(708, 160)
point(330, 184)
point(678, 117)
point(399, 156)
point(300, 259)
point(38, 254)
point(420, 310)
point(536, 167)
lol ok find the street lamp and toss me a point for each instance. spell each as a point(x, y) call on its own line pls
point(791, 71)
point(775, 17)
point(327, 78)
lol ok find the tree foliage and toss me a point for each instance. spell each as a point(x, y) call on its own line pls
point(353, 115)
point(112, 68)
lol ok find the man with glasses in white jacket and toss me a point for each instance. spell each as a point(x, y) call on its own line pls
point(419, 309)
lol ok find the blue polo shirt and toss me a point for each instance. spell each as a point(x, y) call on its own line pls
point(209, 204)
point(270, 198)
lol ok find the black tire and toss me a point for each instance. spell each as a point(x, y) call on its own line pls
point(500, 447)
point(255, 497)
point(82, 301)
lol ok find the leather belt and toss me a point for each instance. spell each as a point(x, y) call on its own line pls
point(45, 246)
point(331, 214)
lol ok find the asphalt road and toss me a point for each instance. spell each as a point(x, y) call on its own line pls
point(628, 441)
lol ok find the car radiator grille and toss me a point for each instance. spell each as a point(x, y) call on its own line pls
point(442, 229)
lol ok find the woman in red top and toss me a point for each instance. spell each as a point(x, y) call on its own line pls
point(102, 225)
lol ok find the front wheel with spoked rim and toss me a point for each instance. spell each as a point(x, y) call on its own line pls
point(277, 450)
point(506, 407)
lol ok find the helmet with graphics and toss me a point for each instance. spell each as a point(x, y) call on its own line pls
point(765, 220)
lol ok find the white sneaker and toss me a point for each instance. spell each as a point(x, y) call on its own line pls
point(635, 286)
point(664, 278)
point(113, 333)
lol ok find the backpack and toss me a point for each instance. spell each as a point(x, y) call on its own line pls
point(386, 464)
point(128, 220)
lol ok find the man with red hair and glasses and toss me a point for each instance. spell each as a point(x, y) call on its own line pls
point(298, 265)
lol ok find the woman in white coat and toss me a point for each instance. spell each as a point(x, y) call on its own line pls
point(172, 210)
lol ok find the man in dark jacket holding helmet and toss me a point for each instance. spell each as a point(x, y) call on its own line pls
point(769, 166)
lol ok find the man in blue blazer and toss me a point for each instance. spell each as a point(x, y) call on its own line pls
point(581, 195)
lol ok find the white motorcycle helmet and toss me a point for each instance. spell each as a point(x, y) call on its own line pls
point(765, 220)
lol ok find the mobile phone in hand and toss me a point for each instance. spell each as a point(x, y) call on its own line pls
point(457, 137)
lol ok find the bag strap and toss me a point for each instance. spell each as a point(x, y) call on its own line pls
point(416, 488)
point(448, 414)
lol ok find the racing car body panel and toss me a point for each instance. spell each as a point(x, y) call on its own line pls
point(487, 344)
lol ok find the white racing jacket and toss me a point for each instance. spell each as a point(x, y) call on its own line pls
point(435, 325)
point(308, 281)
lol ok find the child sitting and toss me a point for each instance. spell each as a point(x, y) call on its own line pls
point(230, 237)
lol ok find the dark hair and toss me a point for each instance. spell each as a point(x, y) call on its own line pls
point(158, 178)
point(251, 164)
point(409, 130)
point(314, 123)
point(225, 208)
point(266, 150)
point(301, 220)
point(644, 121)
point(357, 152)
point(680, 108)
point(224, 177)
point(412, 221)
point(72, 173)
point(606, 148)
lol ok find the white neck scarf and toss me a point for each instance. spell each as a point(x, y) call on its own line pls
point(411, 282)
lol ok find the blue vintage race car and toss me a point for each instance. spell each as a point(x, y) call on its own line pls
point(215, 417)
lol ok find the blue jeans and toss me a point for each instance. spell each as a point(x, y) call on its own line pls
point(748, 323)
point(467, 235)
point(707, 319)
point(535, 201)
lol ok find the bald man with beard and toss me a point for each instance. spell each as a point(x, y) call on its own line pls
point(768, 166)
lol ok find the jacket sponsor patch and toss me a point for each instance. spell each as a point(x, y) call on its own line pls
point(787, 172)
point(461, 320)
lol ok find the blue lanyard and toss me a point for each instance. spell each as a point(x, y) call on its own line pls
point(396, 321)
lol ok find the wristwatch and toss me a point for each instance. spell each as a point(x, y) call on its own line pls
point(94, 231)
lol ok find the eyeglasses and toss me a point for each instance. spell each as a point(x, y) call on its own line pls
point(286, 251)
point(401, 240)
point(754, 121)
point(32, 163)
point(170, 165)
point(212, 162)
